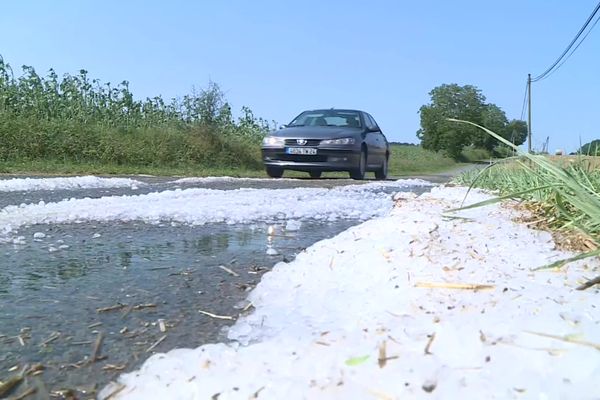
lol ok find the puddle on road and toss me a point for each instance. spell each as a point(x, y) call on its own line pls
point(156, 277)
point(138, 286)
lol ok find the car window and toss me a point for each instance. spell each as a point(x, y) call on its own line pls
point(351, 119)
point(372, 123)
point(368, 121)
point(328, 118)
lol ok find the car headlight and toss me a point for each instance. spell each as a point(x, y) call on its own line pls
point(338, 141)
point(273, 141)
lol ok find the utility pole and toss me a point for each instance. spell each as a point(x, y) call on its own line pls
point(529, 113)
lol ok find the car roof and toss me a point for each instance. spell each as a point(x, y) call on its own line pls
point(334, 109)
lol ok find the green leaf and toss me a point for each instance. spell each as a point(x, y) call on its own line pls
point(578, 257)
point(499, 199)
point(354, 361)
point(569, 193)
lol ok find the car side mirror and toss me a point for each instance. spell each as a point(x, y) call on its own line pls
point(282, 126)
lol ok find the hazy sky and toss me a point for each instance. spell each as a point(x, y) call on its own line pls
point(281, 57)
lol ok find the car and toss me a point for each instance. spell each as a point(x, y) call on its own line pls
point(328, 140)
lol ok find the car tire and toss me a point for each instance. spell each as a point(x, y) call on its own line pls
point(315, 174)
point(382, 172)
point(359, 172)
point(275, 172)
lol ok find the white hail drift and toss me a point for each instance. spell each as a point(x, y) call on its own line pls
point(384, 310)
point(68, 183)
point(200, 206)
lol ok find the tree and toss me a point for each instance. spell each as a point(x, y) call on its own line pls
point(465, 103)
point(450, 101)
point(516, 132)
point(591, 149)
point(493, 118)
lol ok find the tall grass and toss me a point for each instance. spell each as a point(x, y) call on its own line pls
point(78, 119)
point(473, 154)
point(570, 193)
point(407, 160)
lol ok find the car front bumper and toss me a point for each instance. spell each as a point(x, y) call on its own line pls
point(326, 159)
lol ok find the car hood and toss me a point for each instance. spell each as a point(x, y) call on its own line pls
point(316, 132)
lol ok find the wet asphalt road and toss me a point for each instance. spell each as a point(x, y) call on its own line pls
point(136, 287)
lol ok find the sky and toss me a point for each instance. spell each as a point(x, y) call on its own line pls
point(280, 58)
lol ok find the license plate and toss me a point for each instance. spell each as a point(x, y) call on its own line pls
point(301, 150)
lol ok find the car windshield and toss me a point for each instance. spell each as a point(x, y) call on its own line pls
point(339, 118)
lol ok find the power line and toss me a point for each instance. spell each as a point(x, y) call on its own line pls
point(558, 60)
point(524, 101)
point(576, 47)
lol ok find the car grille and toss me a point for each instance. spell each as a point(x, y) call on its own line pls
point(309, 142)
point(301, 158)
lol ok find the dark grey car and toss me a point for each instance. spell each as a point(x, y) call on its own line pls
point(328, 140)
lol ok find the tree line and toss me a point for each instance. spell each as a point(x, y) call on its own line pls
point(465, 103)
point(78, 98)
point(75, 118)
point(591, 149)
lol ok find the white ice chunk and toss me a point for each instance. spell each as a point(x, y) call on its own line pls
point(18, 240)
point(272, 252)
point(68, 183)
point(293, 225)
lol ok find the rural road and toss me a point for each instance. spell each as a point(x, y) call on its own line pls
point(144, 257)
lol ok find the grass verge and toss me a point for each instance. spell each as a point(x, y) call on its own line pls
point(404, 161)
point(569, 193)
point(53, 167)
point(414, 160)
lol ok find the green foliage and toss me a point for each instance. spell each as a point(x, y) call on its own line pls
point(153, 146)
point(590, 149)
point(407, 160)
point(465, 103)
point(562, 188)
point(450, 101)
point(503, 151)
point(569, 193)
point(78, 119)
point(473, 154)
point(515, 132)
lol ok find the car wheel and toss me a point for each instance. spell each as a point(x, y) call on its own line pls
point(274, 172)
point(359, 172)
point(382, 172)
point(315, 174)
